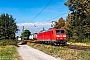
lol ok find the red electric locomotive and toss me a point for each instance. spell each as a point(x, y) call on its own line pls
point(53, 36)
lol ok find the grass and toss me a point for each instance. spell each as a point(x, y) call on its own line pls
point(62, 52)
point(8, 52)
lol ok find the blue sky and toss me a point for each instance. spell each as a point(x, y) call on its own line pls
point(25, 11)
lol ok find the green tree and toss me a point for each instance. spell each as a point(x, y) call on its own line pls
point(8, 26)
point(79, 25)
point(69, 25)
point(60, 23)
point(26, 33)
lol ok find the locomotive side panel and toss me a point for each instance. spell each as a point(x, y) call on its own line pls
point(39, 37)
point(47, 36)
point(44, 36)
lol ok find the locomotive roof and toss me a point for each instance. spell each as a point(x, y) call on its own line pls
point(51, 29)
point(56, 28)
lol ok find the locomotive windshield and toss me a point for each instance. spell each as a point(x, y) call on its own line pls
point(60, 31)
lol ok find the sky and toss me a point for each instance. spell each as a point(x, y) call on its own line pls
point(26, 10)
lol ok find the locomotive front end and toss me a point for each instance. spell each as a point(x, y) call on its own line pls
point(61, 37)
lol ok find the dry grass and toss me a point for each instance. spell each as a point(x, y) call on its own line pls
point(79, 44)
point(62, 52)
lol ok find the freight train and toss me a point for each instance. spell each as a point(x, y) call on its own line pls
point(52, 36)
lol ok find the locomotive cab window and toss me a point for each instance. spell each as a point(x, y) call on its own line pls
point(60, 31)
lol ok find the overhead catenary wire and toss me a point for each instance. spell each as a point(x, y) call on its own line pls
point(52, 19)
point(41, 11)
point(46, 18)
point(55, 17)
point(50, 16)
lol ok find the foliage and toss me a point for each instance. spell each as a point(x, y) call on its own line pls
point(26, 33)
point(77, 22)
point(8, 27)
point(60, 23)
point(86, 40)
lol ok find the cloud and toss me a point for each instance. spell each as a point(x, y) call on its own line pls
point(33, 27)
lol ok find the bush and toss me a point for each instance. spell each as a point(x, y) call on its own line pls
point(86, 40)
point(8, 42)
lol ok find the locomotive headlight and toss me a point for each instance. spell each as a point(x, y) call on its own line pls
point(57, 38)
point(64, 35)
point(57, 35)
